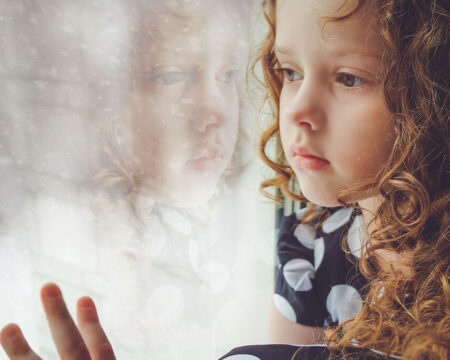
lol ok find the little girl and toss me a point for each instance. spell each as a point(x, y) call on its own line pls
point(360, 95)
point(359, 92)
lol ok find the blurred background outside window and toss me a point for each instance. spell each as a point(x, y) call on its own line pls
point(128, 155)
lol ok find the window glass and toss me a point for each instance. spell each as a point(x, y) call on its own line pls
point(130, 173)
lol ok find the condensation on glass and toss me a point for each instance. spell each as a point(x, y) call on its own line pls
point(127, 155)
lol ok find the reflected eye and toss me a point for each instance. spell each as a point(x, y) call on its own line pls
point(350, 80)
point(289, 74)
point(228, 76)
point(168, 78)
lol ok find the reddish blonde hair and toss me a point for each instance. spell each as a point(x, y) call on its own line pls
point(412, 317)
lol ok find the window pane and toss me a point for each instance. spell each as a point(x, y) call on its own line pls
point(130, 173)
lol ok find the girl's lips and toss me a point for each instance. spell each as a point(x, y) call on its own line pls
point(209, 161)
point(208, 154)
point(304, 158)
point(309, 162)
point(304, 151)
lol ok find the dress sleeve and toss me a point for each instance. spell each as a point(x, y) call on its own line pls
point(295, 295)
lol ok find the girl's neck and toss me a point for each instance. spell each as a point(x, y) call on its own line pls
point(388, 259)
point(369, 207)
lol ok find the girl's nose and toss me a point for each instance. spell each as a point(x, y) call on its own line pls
point(305, 108)
point(210, 104)
point(207, 118)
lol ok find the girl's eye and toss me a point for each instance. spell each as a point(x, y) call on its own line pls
point(168, 78)
point(350, 80)
point(228, 76)
point(289, 74)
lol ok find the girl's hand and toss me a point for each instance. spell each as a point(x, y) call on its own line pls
point(87, 342)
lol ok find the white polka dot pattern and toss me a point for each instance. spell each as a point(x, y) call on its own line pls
point(299, 213)
point(312, 256)
point(284, 307)
point(242, 357)
point(355, 237)
point(319, 252)
point(337, 219)
point(298, 274)
point(343, 302)
point(305, 234)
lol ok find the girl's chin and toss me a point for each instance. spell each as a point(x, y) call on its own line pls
point(331, 201)
point(325, 203)
point(196, 199)
point(183, 196)
point(318, 198)
point(318, 195)
point(321, 193)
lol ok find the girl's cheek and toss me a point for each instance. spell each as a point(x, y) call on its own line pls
point(285, 125)
point(287, 138)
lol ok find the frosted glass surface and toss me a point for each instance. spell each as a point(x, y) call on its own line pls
point(130, 173)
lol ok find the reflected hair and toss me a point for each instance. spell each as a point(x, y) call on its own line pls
point(405, 314)
point(122, 175)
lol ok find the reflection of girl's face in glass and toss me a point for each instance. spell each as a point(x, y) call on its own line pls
point(185, 105)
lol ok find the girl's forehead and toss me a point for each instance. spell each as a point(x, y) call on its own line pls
point(320, 7)
point(169, 38)
point(163, 25)
point(302, 24)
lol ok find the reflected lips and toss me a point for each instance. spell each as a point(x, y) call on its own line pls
point(303, 158)
point(207, 159)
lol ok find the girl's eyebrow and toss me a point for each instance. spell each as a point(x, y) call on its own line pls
point(357, 52)
point(282, 50)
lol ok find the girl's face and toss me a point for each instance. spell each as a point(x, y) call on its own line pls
point(185, 105)
point(335, 127)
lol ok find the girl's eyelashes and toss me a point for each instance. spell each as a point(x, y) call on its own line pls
point(168, 78)
point(173, 77)
point(228, 76)
point(350, 81)
point(289, 74)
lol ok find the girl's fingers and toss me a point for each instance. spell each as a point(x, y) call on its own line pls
point(15, 345)
point(68, 340)
point(92, 332)
point(66, 336)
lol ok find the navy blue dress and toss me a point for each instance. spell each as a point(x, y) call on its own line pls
point(318, 282)
point(297, 352)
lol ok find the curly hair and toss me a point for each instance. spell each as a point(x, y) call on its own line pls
point(408, 313)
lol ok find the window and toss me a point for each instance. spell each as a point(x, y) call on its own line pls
point(130, 173)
